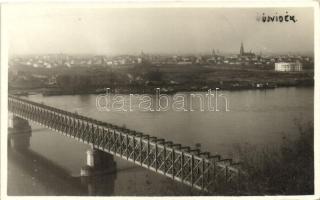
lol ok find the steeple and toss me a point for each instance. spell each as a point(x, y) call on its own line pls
point(213, 52)
point(241, 49)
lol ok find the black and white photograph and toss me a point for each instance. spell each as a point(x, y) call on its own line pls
point(152, 100)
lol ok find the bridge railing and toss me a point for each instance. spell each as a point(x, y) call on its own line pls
point(181, 163)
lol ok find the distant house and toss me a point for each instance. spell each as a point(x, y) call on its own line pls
point(288, 67)
point(184, 63)
point(52, 80)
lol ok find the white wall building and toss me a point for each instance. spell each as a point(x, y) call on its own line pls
point(288, 67)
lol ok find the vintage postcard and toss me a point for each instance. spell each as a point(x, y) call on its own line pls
point(160, 99)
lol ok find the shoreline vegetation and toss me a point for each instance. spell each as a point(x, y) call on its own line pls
point(287, 169)
point(145, 78)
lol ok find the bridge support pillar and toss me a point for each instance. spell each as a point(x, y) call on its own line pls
point(98, 162)
point(19, 133)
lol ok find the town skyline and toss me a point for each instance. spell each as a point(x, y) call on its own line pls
point(209, 52)
point(107, 31)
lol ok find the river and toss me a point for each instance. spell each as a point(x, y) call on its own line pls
point(255, 117)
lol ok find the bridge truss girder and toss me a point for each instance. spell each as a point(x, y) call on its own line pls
point(197, 169)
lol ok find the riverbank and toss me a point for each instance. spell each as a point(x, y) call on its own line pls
point(170, 79)
point(284, 170)
point(163, 89)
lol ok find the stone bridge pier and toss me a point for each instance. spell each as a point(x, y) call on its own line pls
point(98, 162)
point(19, 133)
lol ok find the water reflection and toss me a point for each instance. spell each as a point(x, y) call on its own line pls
point(30, 171)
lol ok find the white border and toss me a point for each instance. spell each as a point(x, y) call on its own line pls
point(317, 99)
point(146, 3)
point(4, 104)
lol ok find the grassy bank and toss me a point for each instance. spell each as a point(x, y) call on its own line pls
point(284, 170)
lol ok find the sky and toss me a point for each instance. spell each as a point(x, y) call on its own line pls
point(71, 29)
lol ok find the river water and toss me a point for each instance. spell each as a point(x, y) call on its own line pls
point(256, 117)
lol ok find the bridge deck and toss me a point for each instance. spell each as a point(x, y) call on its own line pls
point(181, 163)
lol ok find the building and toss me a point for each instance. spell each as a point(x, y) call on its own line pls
point(288, 67)
point(245, 54)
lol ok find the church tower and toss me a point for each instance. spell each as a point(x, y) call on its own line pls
point(241, 49)
point(213, 53)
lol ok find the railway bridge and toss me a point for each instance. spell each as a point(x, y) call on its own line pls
point(192, 167)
